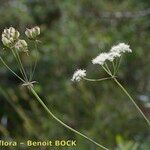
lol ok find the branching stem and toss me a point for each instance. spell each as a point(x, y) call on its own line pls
point(21, 65)
point(36, 60)
point(96, 80)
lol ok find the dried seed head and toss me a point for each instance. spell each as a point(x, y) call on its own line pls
point(36, 30)
point(21, 45)
point(33, 32)
point(10, 36)
point(6, 42)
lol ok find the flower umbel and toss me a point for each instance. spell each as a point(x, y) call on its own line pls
point(33, 32)
point(78, 75)
point(21, 45)
point(100, 59)
point(121, 48)
point(111, 69)
point(10, 39)
point(10, 36)
point(115, 51)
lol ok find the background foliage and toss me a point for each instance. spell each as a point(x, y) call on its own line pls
point(73, 32)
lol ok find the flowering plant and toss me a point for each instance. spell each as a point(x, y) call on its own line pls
point(114, 57)
point(11, 40)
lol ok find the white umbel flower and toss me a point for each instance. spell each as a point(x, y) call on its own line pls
point(113, 55)
point(100, 59)
point(115, 51)
point(78, 75)
point(121, 48)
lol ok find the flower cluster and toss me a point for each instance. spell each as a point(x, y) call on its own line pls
point(78, 75)
point(115, 51)
point(21, 45)
point(33, 32)
point(121, 48)
point(100, 59)
point(10, 38)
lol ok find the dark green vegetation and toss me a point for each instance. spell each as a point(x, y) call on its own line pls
point(74, 32)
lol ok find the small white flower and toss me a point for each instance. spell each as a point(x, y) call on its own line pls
point(78, 75)
point(113, 55)
point(121, 48)
point(100, 59)
point(115, 51)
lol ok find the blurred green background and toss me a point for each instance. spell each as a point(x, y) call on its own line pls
point(72, 33)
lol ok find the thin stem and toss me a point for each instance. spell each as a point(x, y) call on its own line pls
point(18, 63)
point(114, 68)
point(109, 73)
point(35, 64)
point(118, 65)
point(107, 68)
point(63, 124)
point(125, 91)
point(95, 80)
point(21, 65)
point(11, 70)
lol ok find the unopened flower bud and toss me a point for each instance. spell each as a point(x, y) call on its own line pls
point(21, 45)
point(33, 32)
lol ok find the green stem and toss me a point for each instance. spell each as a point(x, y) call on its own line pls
point(107, 68)
point(114, 68)
point(63, 124)
point(125, 91)
point(118, 65)
point(35, 64)
point(11, 70)
point(18, 63)
point(109, 73)
point(21, 65)
point(95, 80)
